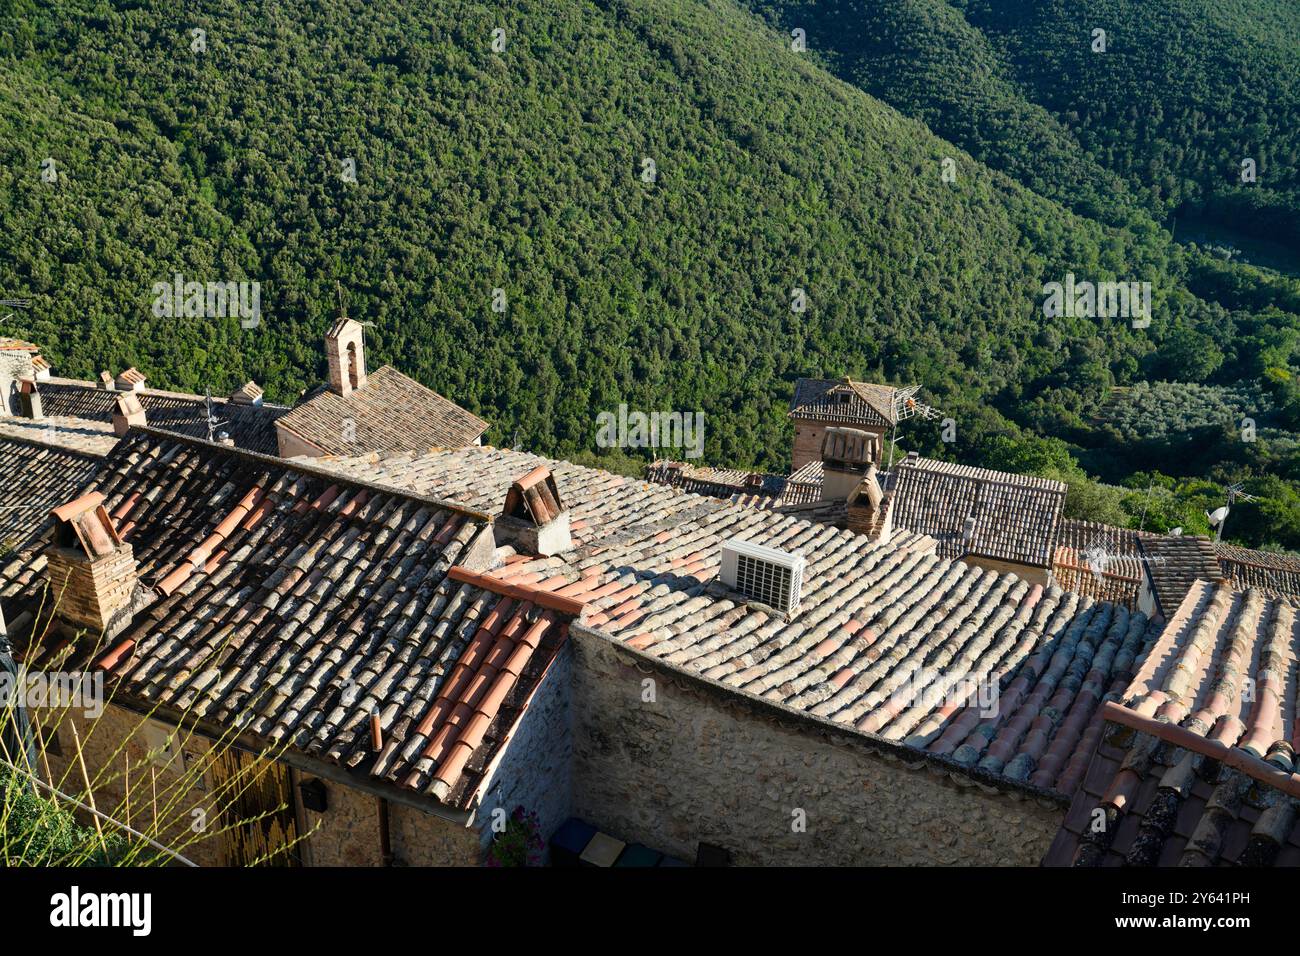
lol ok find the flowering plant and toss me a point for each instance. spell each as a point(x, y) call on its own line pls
point(519, 843)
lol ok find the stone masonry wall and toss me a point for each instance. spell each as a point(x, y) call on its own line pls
point(534, 769)
point(699, 765)
point(114, 749)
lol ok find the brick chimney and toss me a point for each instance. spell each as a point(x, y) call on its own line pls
point(128, 412)
point(91, 571)
point(346, 351)
point(846, 455)
point(534, 520)
point(868, 510)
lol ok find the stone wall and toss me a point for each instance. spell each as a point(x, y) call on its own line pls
point(701, 764)
point(534, 769)
point(347, 833)
point(127, 785)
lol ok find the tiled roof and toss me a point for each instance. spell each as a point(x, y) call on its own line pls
point(251, 427)
point(1015, 516)
point(1225, 668)
point(1157, 795)
point(34, 477)
point(16, 345)
point(293, 604)
point(843, 401)
point(1199, 766)
point(392, 412)
point(1099, 560)
point(1173, 562)
point(884, 635)
point(1268, 570)
point(758, 489)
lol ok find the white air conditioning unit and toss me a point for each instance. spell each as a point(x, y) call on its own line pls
point(766, 575)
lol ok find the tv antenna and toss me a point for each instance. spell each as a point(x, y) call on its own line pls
point(1219, 515)
point(213, 422)
point(906, 406)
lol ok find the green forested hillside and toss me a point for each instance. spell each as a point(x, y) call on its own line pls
point(1183, 92)
point(524, 170)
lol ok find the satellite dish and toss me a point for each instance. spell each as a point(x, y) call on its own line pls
point(1217, 515)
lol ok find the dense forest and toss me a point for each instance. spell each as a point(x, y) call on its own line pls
point(649, 182)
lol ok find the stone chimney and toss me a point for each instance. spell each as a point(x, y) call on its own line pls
point(128, 412)
point(250, 393)
point(29, 400)
point(534, 519)
point(42, 368)
point(346, 350)
point(132, 380)
point(846, 455)
point(105, 381)
point(91, 571)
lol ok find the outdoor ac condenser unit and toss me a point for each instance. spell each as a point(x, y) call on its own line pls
point(766, 575)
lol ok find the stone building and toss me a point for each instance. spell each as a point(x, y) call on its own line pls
point(357, 412)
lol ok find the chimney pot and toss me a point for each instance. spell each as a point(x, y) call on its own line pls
point(128, 412)
point(534, 518)
point(846, 454)
point(91, 571)
point(132, 380)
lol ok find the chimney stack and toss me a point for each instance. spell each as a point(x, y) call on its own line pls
point(29, 400)
point(91, 571)
point(42, 368)
point(534, 519)
point(846, 455)
point(250, 393)
point(105, 382)
point(865, 514)
point(128, 412)
point(345, 349)
point(132, 380)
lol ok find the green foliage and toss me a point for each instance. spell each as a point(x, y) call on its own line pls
point(36, 831)
point(522, 170)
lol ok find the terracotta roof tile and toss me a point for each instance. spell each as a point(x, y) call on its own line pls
point(978, 511)
point(925, 631)
point(251, 427)
point(1099, 560)
point(1277, 572)
point(294, 605)
point(843, 401)
point(1168, 797)
point(391, 412)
